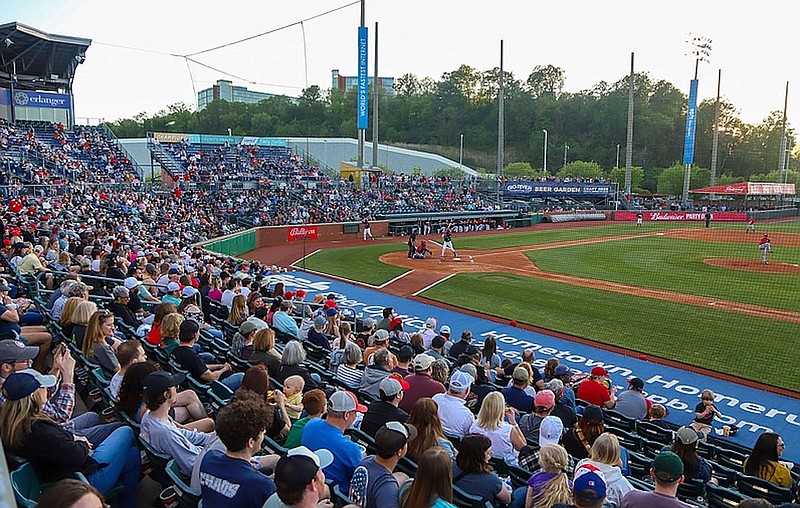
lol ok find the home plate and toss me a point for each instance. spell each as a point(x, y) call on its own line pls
point(456, 259)
point(660, 234)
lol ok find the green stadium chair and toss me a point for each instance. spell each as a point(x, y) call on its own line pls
point(752, 486)
point(653, 432)
point(187, 496)
point(617, 420)
point(219, 395)
point(340, 499)
point(639, 465)
point(720, 497)
point(725, 476)
point(463, 500)
point(731, 459)
point(640, 484)
point(27, 486)
point(692, 490)
point(158, 464)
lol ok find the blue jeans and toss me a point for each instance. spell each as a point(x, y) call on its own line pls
point(216, 333)
point(32, 317)
point(518, 497)
point(121, 454)
point(234, 381)
point(91, 426)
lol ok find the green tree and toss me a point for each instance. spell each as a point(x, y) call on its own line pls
point(521, 169)
point(637, 177)
point(581, 169)
point(545, 80)
point(670, 181)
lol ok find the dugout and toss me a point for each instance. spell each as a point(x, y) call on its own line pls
point(747, 195)
point(37, 70)
point(402, 224)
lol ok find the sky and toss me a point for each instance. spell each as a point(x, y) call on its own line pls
point(592, 41)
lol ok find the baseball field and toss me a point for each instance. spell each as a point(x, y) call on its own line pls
point(680, 292)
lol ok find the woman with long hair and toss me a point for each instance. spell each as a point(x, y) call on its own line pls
point(764, 463)
point(80, 320)
point(550, 484)
point(264, 350)
point(55, 453)
point(100, 342)
point(277, 290)
point(550, 369)
point(507, 440)
point(695, 467)
point(432, 486)
point(418, 343)
point(215, 292)
point(425, 418)
point(474, 475)
point(489, 356)
point(190, 309)
point(254, 301)
point(66, 315)
point(274, 307)
point(579, 441)
point(170, 332)
point(238, 312)
point(606, 456)
point(256, 380)
point(162, 310)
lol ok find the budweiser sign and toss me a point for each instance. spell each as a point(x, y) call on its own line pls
point(302, 233)
point(682, 216)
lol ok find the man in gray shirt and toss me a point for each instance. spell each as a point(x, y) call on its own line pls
point(631, 402)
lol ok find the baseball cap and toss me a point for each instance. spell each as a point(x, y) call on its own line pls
point(188, 292)
point(288, 295)
point(4, 287)
point(520, 374)
point(300, 293)
point(562, 370)
point(550, 430)
point(158, 382)
point(430, 323)
point(345, 401)
point(23, 383)
point(472, 350)
point(599, 371)
point(320, 321)
point(686, 435)
point(444, 330)
point(299, 466)
point(247, 327)
point(461, 380)
point(423, 361)
point(173, 271)
point(391, 438)
point(392, 386)
point(589, 483)
point(545, 399)
point(369, 323)
point(380, 336)
point(131, 282)
point(331, 311)
point(15, 351)
point(438, 341)
point(593, 414)
point(173, 286)
point(667, 467)
point(120, 291)
point(471, 370)
point(636, 383)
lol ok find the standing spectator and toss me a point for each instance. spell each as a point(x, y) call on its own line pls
point(507, 440)
point(579, 441)
point(329, 434)
point(433, 483)
point(425, 418)
point(606, 457)
point(594, 389)
point(386, 408)
point(764, 461)
point(632, 402)
point(456, 418)
point(667, 471)
point(374, 482)
point(420, 384)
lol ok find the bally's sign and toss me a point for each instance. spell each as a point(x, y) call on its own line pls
point(556, 189)
point(302, 233)
point(41, 100)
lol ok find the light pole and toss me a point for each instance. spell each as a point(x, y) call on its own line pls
point(545, 150)
point(461, 153)
point(617, 166)
point(566, 151)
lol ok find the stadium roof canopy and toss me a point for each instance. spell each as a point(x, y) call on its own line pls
point(41, 61)
point(750, 189)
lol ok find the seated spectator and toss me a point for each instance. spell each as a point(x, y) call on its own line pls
point(704, 413)
point(238, 311)
point(564, 374)
point(161, 311)
point(549, 370)
point(316, 335)
point(362, 337)
point(506, 438)
point(489, 355)
point(72, 493)
point(595, 389)
point(420, 383)
point(396, 331)
point(284, 322)
point(657, 414)
point(550, 432)
point(314, 403)
point(228, 477)
point(588, 489)
point(428, 331)
point(432, 486)
point(329, 434)
point(425, 418)
point(473, 474)
point(632, 402)
point(416, 343)
point(293, 356)
point(58, 303)
point(128, 353)
point(436, 350)
point(258, 318)
point(550, 485)
point(515, 393)
point(172, 294)
point(543, 406)
point(695, 467)
point(528, 357)
point(256, 380)
point(242, 344)
point(300, 480)
point(81, 315)
point(461, 346)
point(606, 457)
point(100, 342)
point(347, 371)
point(388, 314)
point(579, 441)
point(293, 390)
point(189, 360)
point(562, 408)
point(764, 461)
point(374, 483)
point(56, 453)
point(440, 371)
point(32, 335)
point(667, 471)
point(119, 307)
point(264, 350)
point(456, 418)
point(190, 309)
point(379, 340)
point(66, 315)
point(386, 408)
point(374, 374)
point(404, 356)
point(160, 431)
point(170, 331)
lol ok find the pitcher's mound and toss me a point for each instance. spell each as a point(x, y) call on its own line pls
point(753, 265)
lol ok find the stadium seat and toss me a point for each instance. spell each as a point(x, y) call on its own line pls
point(27, 486)
point(618, 420)
point(158, 464)
point(756, 487)
point(187, 496)
point(653, 432)
point(639, 465)
point(219, 395)
point(692, 490)
point(731, 459)
point(340, 499)
point(725, 476)
point(463, 500)
point(627, 439)
point(721, 497)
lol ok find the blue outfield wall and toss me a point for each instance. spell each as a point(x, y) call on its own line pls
point(753, 411)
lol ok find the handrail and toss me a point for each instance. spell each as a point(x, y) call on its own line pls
point(119, 146)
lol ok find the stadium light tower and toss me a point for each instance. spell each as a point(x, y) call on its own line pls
point(544, 164)
point(700, 51)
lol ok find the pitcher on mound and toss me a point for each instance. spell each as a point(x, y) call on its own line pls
point(447, 242)
point(765, 245)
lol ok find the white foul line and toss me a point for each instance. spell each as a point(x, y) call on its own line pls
point(432, 285)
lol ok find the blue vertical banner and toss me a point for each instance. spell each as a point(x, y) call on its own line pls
point(363, 80)
point(691, 124)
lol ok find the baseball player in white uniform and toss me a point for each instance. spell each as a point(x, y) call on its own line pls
point(447, 242)
point(367, 229)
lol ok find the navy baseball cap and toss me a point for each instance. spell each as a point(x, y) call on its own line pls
point(23, 383)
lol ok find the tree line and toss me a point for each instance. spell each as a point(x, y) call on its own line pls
point(592, 123)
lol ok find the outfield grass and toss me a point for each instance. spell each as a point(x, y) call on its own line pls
point(717, 340)
point(677, 265)
point(358, 263)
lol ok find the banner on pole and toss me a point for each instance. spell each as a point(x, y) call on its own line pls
point(363, 80)
point(691, 124)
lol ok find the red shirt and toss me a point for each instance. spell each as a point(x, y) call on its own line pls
point(593, 392)
point(421, 385)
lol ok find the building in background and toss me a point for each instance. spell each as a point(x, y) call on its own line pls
point(225, 91)
point(344, 83)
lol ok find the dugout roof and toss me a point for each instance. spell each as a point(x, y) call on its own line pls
point(750, 189)
point(43, 61)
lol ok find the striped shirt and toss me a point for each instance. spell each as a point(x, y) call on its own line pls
point(349, 376)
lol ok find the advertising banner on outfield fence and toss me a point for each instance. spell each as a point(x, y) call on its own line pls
point(682, 216)
point(557, 189)
point(302, 233)
point(691, 124)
